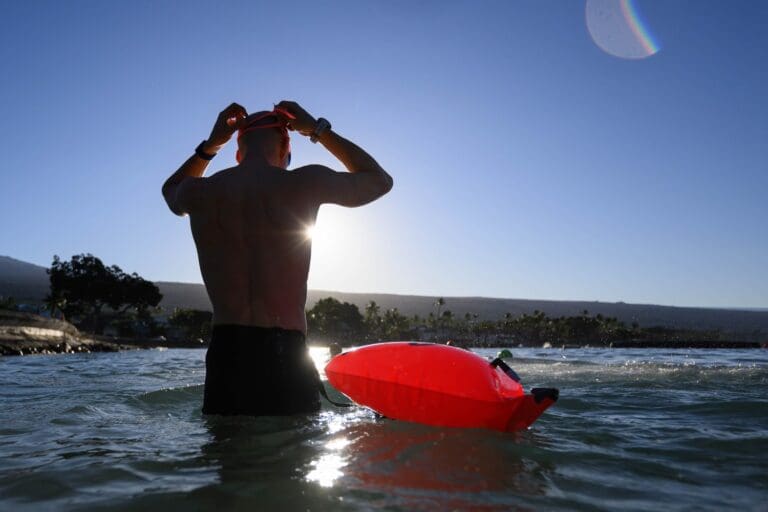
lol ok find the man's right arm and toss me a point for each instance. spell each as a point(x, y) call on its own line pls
point(366, 180)
point(182, 191)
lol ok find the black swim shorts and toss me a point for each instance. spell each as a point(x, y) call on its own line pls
point(259, 371)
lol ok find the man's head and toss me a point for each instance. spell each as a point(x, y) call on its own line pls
point(266, 135)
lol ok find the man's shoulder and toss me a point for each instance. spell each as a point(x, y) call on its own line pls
point(199, 192)
point(310, 170)
point(222, 174)
point(313, 173)
point(223, 180)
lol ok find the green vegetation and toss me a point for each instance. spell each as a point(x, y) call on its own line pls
point(192, 324)
point(104, 299)
point(91, 293)
point(334, 321)
point(8, 303)
point(331, 319)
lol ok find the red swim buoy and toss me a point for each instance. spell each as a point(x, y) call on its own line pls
point(437, 385)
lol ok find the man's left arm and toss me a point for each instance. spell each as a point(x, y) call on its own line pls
point(182, 190)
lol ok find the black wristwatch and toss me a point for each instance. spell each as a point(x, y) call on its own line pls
point(321, 127)
point(202, 154)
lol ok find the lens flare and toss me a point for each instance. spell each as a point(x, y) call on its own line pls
point(617, 28)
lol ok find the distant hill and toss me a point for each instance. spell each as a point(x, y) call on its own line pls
point(29, 283)
point(183, 295)
point(646, 315)
point(23, 281)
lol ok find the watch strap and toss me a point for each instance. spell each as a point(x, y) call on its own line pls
point(202, 154)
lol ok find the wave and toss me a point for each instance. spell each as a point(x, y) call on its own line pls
point(172, 396)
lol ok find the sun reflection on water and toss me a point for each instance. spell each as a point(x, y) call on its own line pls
point(328, 468)
point(320, 356)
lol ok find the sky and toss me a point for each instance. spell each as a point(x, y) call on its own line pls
point(528, 160)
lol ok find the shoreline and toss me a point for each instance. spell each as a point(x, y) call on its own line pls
point(84, 345)
point(22, 344)
point(24, 347)
point(28, 334)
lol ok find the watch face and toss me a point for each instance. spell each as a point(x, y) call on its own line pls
point(321, 126)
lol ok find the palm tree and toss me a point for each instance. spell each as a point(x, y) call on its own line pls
point(447, 316)
point(439, 319)
point(439, 303)
point(507, 323)
point(373, 320)
point(372, 311)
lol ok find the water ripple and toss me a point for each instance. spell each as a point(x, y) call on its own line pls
point(633, 430)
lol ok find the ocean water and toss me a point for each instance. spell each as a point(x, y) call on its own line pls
point(633, 430)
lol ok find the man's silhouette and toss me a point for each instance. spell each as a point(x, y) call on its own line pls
point(249, 223)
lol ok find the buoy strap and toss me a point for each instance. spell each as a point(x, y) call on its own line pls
point(498, 362)
point(322, 391)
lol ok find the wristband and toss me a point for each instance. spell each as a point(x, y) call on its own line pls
point(202, 154)
point(321, 127)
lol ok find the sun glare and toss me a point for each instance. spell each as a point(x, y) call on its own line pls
point(324, 234)
point(337, 242)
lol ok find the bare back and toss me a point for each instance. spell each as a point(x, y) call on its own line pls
point(250, 231)
point(250, 222)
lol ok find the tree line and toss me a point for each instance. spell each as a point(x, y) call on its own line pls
point(333, 321)
point(94, 296)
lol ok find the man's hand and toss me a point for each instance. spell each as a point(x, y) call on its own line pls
point(302, 121)
point(227, 123)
